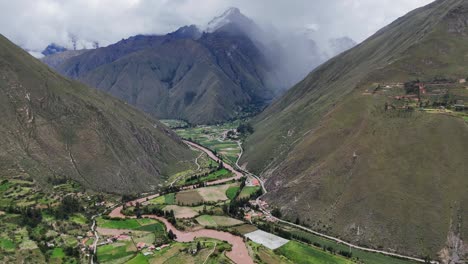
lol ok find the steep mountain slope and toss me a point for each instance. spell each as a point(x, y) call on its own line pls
point(56, 59)
point(202, 78)
point(54, 128)
point(350, 159)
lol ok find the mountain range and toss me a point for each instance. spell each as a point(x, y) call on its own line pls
point(347, 152)
point(231, 68)
point(55, 129)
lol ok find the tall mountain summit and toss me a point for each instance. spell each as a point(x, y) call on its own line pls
point(231, 16)
point(363, 148)
point(52, 128)
point(200, 77)
point(231, 67)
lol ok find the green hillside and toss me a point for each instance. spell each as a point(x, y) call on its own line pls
point(53, 128)
point(201, 78)
point(365, 159)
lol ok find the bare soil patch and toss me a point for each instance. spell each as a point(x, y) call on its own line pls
point(189, 197)
point(182, 211)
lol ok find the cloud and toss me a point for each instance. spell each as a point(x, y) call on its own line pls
point(35, 24)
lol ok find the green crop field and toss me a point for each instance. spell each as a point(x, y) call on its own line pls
point(58, 253)
point(214, 221)
point(220, 174)
point(126, 223)
point(7, 244)
point(113, 252)
point(232, 191)
point(157, 228)
point(118, 224)
point(367, 257)
point(304, 254)
point(165, 199)
point(247, 191)
point(139, 259)
point(79, 219)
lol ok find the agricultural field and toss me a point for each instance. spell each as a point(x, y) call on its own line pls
point(231, 192)
point(205, 194)
point(211, 251)
point(182, 211)
point(215, 221)
point(164, 199)
point(247, 191)
point(44, 227)
point(119, 252)
point(174, 123)
point(298, 252)
point(215, 193)
point(132, 224)
point(216, 175)
point(265, 255)
point(190, 197)
point(367, 257)
point(200, 166)
point(214, 137)
point(244, 229)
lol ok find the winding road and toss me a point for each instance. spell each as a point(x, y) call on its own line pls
point(239, 253)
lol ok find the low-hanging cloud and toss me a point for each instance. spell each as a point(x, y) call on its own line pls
point(35, 24)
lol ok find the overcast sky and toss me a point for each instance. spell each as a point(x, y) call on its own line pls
point(35, 23)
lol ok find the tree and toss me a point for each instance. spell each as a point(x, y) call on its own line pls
point(276, 213)
point(245, 128)
point(198, 246)
point(297, 222)
point(137, 210)
point(171, 235)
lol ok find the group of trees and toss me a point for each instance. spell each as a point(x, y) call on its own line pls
point(68, 206)
point(234, 207)
point(245, 128)
point(276, 212)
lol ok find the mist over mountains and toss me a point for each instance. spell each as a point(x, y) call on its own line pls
point(189, 73)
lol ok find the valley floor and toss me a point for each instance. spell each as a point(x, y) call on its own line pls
point(211, 214)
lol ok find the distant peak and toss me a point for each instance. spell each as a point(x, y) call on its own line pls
point(231, 15)
point(232, 10)
point(191, 31)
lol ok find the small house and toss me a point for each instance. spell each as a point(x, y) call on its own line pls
point(141, 245)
